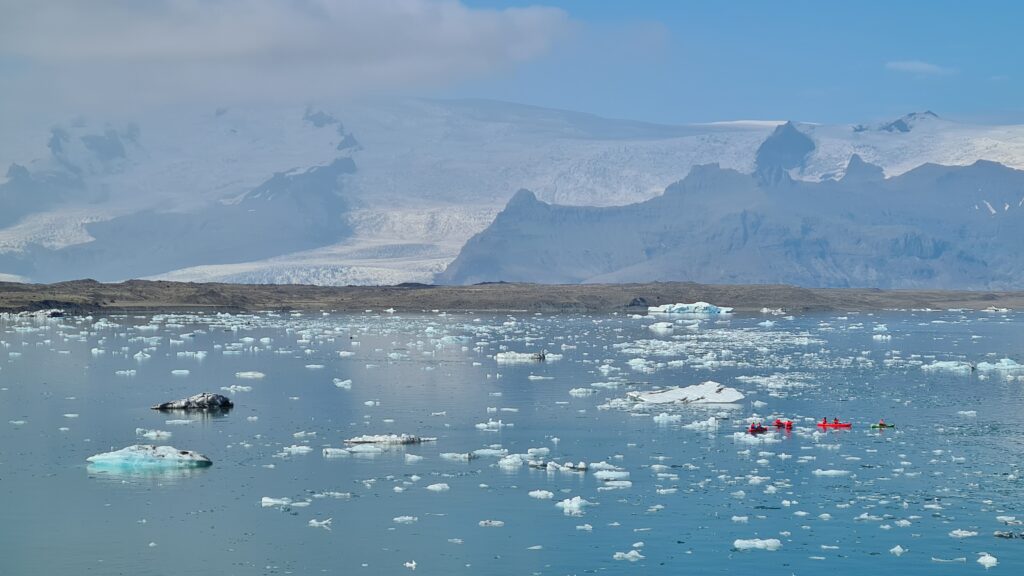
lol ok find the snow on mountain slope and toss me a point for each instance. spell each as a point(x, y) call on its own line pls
point(933, 227)
point(162, 195)
point(386, 247)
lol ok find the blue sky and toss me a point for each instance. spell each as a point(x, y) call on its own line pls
point(671, 61)
point(815, 61)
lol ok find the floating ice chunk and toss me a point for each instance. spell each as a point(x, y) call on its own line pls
point(250, 375)
point(268, 502)
point(205, 401)
point(582, 392)
point(1005, 366)
point(491, 523)
point(235, 388)
point(458, 456)
point(958, 533)
point(632, 556)
point(180, 372)
point(740, 519)
point(152, 434)
point(343, 384)
point(709, 392)
point(709, 424)
point(492, 425)
point(897, 550)
point(987, 560)
point(412, 458)
point(694, 308)
point(335, 453)
point(388, 439)
point(325, 524)
point(525, 357)
point(662, 328)
point(611, 475)
point(365, 449)
point(955, 366)
point(439, 487)
point(404, 519)
point(573, 506)
point(296, 449)
point(178, 422)
point(541, 494)
point(585, 528)
point(820, 472)
point(411, 565)
point(770, 544)
point(665, 418)
point(147, 456)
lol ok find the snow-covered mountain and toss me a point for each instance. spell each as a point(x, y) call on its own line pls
point(933, 227)
point(381, 192)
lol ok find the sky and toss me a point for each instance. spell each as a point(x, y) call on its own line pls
point(668, 62)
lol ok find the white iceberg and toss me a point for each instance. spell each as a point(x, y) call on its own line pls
point(694, 308)
point(770, 544)
point(388, 439)
point(147, 456)
point(709, 392)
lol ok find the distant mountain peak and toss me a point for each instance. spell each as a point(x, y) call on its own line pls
point(859, 171)
point(785, 149)
point(522, 197)
point(904, 123)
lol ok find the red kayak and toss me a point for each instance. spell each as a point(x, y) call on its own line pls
point(835, 424)
point(756, 431)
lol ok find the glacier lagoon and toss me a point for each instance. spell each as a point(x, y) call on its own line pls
point(666, 490)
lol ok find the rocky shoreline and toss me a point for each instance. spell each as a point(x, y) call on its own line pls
point(140, 296)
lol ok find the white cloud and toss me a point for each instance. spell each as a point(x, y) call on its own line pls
point(918, 67)
point(255, 50)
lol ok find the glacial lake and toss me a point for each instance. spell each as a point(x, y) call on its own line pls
point(682, 493)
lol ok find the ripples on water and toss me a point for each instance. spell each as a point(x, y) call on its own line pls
point(672, 496)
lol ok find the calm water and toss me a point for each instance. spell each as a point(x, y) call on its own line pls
point(73, 387)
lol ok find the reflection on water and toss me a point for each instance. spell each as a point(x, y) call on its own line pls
point(157, 475)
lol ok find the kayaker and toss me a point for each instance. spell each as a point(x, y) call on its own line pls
point(835, 420)
point(789, 424)
point(778, 422)
point(881, 422)
point(824, 421)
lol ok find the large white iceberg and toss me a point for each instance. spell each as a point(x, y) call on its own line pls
point(694, 308)
point(709, 392)
point(147, 456)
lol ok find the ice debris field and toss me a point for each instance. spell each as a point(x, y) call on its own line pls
point(383, 443)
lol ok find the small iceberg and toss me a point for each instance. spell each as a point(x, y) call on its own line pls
point(148, 456)
point(206, 401)
point(709, 392)
point(388, 439)
point(694, 308)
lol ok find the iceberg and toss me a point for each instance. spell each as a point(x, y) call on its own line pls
point(388, 439)
point(709, 392)
point(206, 401)
point(694, 308)
point(148, 456)
point(770, 544)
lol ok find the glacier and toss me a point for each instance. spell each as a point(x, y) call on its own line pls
point(388, 191)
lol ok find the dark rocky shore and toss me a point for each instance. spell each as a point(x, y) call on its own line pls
point(87, 296)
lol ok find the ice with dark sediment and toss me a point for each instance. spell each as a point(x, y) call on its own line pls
point(149, 456)
point(205, 401)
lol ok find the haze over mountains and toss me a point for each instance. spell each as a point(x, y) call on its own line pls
point(390, 192)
